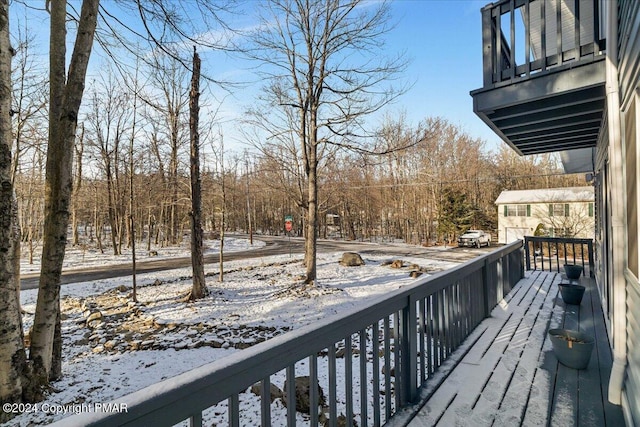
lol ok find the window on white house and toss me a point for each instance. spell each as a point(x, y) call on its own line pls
point(559, 209)
point(517, 210)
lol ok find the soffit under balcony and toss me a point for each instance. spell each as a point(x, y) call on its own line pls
point(558, 110)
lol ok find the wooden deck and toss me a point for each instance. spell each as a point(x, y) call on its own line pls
point(510, 376)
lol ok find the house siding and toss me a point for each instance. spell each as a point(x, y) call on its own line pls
point(628, 48)
point(632, 384)
point(629, 80)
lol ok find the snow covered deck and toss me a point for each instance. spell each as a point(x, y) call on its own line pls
point(509, 375)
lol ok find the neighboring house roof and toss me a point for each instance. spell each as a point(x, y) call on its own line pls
point(547, 195)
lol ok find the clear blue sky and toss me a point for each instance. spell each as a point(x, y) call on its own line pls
point(444, 40)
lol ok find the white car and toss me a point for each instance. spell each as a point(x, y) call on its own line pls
point(475, 238)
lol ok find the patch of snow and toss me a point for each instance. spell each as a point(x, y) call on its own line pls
point(133, 345)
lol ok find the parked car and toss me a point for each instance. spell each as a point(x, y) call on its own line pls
point(475, 238)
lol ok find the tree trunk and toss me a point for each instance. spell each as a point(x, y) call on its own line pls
point(312, 216)
point(199, 289)
point(12, 354)
point(65, 99)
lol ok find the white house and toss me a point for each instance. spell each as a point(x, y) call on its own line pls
point(554, 212)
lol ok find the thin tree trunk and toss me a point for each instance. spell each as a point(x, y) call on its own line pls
point(12, 354)
point(76, 188)
point(132, 223)
point(199, 289)
point(65, 98)
point(312, 217)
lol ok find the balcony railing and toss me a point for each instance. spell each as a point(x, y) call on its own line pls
point(370, 363)
point(525, 37)
point(551, 253)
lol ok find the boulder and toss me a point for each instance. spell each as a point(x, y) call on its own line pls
point(351, 259)
point(398, 263)
point(275, 392)
point(302, 388)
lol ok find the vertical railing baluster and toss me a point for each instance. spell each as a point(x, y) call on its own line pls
point(398, 386)
point(409, 362)
point(363, 378)
point(576, 27)
point(452, 317)
point(348, 380)
point(265, 403)
point(488, 52)
point(498, 39)
point(387, 367)
point(559, 32)
point(596, 27)
point(375, 374)
point(458, 307)
point(543, 35)
point(313, 387)
point(234, 410)
point(592, 272)
point(512, 27)
point(429, 316)
point(291, 395)
point(423, 334)
point(441, 328)
point(333, 386)
point(196, 420)
point(448, 324)
point(527, 38)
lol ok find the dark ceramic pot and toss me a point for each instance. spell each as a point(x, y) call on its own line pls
point(572, 348)
point(573, 271)
point(571, 294)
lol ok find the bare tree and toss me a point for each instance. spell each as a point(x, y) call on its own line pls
point(108, 122)
point(12, 354)
point(325, 75)
point(199, 288)
point(65, 96)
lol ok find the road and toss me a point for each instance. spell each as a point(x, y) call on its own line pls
point(275, 245)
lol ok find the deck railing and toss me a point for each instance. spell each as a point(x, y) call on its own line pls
point(369, 363)
point(551, 253)
point(524, 37)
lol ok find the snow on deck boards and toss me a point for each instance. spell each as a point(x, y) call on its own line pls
point(511, 377)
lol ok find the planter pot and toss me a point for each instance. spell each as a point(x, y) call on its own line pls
point(571, 294)
point(573, 271)
point(572, 348)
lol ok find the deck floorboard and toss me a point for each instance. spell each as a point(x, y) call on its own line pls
point(511, 376)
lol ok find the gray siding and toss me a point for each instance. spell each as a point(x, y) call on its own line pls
point(632, 384)
point(628, 48)
point(629, 76)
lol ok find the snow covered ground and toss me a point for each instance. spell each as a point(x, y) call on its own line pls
point(113, 346)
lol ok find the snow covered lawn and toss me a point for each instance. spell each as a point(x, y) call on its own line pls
point(113, 347)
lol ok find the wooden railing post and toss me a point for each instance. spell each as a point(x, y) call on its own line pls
point(526, 252)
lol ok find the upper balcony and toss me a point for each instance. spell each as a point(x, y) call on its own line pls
point(544, 74)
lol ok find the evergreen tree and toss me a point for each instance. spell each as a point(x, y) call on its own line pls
point(455, 214)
